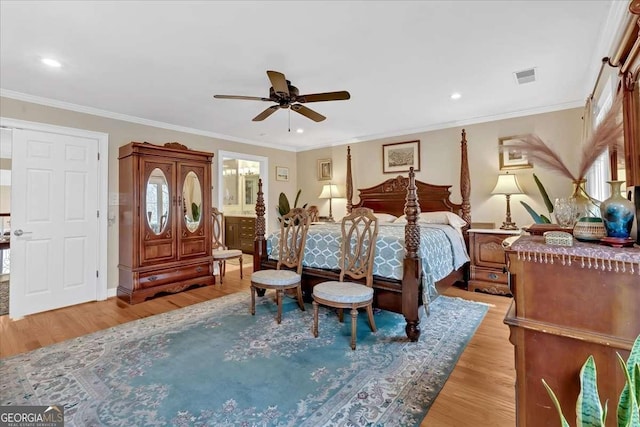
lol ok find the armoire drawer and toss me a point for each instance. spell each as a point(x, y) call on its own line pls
point(176, 274)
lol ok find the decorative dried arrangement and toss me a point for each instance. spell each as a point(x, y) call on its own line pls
point(608, 135)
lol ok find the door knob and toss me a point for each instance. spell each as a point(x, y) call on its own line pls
point(19, 232)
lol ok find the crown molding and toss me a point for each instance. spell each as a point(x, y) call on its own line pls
point(132, 119)
point(466, 122)
point(398, 132)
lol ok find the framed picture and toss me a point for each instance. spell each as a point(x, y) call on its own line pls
point(325, 170)
point(512, 158)
point(400, 156)
point(282, 173)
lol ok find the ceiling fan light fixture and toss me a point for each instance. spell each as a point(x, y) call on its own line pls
point(287, 96)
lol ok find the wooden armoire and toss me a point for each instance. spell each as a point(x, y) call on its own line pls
point(165, 232)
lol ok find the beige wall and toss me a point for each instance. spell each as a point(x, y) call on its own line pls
point(122, 132)
point(440, 160)
point(440, 164)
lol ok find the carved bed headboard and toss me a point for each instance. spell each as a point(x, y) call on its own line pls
point(390, 196)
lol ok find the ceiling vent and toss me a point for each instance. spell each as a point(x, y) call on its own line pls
point(525, 76)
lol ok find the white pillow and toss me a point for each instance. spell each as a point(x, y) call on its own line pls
point(455, 221)
point(439, 217)
point(385, 217)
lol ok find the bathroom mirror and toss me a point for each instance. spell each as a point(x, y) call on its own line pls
point(192, 201)
point(157, 206)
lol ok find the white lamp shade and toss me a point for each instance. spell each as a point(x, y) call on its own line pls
point(329, 191)
point(507, 184)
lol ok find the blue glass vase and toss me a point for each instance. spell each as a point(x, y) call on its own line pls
point(617, 213)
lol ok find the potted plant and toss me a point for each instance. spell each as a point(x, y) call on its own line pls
point(284, 207)
point(589, 409)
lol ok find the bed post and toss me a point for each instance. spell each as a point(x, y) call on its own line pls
point(259, 243)
point(465, 181)
point(349, 182)
point(411, 267)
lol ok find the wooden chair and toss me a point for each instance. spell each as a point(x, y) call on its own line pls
point(219, 251)
point(314, 213)
point(359, 232)
point(293, 235)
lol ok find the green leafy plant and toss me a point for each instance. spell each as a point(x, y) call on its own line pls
point(195, 211)
point(539, 218)
point(284, 207)
point(589, 410)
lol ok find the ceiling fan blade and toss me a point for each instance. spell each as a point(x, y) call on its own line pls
point(279, 83)
point(249, 98)
point(308, 112)
point(266, 113)
point(326, 96)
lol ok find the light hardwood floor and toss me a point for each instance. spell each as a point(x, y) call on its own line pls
point(480, 391)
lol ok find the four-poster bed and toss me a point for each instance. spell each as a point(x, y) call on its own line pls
point(397, 196)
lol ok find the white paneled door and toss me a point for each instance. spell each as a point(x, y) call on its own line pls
point(54, 221)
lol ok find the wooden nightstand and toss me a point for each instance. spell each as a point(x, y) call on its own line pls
point(488, 262)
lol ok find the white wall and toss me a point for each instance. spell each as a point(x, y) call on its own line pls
point(440, 164)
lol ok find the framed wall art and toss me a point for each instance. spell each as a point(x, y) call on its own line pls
point(325, 170)
point(511, 158)
point(282, 173)
point(400, 156)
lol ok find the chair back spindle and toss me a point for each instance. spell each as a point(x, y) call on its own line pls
point(359, 233)
point(314, 213)
point(293, 236)
point(217, 229)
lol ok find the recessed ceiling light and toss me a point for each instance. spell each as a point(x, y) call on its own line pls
point(51, 62)
point(300, 130)
point(456, 95)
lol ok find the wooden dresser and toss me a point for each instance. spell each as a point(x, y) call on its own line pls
point(488, 261)
point(240, 233)
point(569, 303)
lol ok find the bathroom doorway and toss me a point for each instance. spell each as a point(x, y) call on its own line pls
point(238, 176)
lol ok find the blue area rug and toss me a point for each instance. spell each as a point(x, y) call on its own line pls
point(213, 364)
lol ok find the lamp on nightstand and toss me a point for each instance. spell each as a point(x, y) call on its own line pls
point(329, 191)
point(508, 185)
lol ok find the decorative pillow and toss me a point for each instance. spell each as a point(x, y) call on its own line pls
point(455, 221)
point(439, 217)
point(427, 217)
point(385, 217)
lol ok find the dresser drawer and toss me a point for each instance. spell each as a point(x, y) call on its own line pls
point(176, 274)
point(247, 232)
point(489, 275)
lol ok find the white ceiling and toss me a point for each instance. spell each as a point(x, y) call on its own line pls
point(160, 62)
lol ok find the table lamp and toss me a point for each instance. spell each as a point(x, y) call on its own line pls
point(329, 191)
point(507, 184)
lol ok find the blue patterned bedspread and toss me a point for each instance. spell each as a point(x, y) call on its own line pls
point(442, 251)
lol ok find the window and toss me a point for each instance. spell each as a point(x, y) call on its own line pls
point(600, 172)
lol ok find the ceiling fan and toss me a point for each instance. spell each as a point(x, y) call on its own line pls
point(286, 95)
